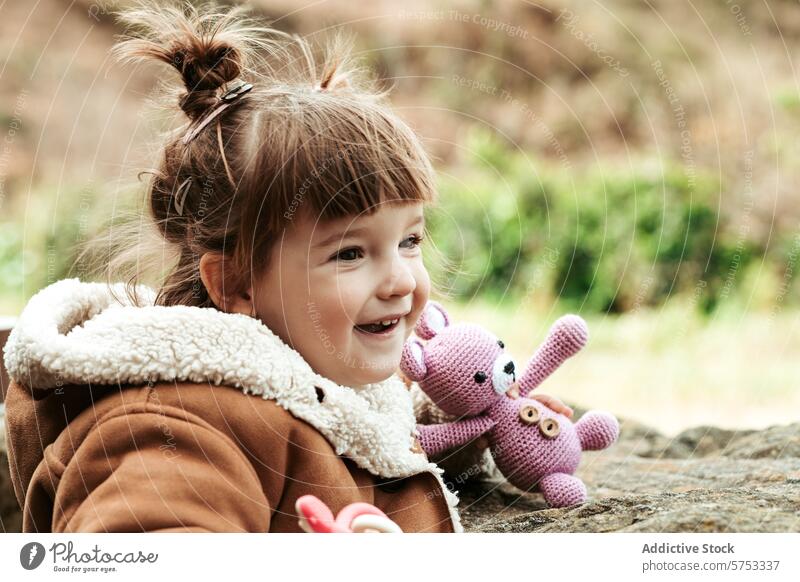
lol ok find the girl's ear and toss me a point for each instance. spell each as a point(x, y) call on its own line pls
point(433, 320)
point(412, 362)
point(211, 274)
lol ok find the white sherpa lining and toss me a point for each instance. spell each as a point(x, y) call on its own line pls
point(73, 332)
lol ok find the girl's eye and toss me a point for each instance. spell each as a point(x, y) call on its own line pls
point(355, 253)
point(412, 241)
point(347, 255)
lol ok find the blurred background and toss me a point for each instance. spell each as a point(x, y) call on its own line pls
point(633, 161)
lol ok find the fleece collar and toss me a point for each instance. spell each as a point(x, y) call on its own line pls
point(74, 332)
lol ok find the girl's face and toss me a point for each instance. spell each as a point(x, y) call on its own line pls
point(331, 284)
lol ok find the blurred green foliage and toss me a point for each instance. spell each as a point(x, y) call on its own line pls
point(40, 244)
point(12, 263)
point(605, 238)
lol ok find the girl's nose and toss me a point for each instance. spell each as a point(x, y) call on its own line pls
point(399, 280)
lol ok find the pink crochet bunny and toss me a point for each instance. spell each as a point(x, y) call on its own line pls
point(465, 370)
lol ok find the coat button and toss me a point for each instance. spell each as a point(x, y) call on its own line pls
point(529, 414)
point(549, 428)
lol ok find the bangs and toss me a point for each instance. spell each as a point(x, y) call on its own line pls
point(343, 159)
point(360, 183)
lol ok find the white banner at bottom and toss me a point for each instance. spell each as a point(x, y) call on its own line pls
point(723, 557)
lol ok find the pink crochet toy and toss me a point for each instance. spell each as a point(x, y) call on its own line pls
point(465, 370)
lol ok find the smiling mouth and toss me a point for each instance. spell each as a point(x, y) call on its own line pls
point(378, 328)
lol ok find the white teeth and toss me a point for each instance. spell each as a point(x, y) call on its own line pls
point(389, 321)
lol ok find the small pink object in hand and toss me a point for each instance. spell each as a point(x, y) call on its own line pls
point(360, 517)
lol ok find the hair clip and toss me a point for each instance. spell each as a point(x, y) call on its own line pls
point(237, 91)
point(180, 195)
point(226, 100)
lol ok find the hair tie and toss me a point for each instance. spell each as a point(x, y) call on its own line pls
point(226, 100)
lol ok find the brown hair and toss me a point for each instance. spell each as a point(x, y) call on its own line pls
point(312, 136)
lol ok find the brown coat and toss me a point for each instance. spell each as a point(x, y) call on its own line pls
point(183, 457)
point(195, 456)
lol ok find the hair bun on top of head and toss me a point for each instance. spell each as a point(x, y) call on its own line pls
point(205, 67)
point(209, 48)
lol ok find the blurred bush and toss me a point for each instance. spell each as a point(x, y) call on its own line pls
point(43, 248)
point(604, 238)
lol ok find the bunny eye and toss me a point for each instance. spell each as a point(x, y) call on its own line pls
point(480, 377)
point(501, 344)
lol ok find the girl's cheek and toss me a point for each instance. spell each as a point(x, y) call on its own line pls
point(423, 289)
point(421, 294)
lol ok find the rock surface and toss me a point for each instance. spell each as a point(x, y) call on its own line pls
point(703, 480)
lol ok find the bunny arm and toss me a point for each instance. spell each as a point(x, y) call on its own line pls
point(566, 338)
point(437, 438)
point(597, 430)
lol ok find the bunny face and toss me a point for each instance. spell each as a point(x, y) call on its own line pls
point(463, 368)
point(466, 369)
point(525, 425)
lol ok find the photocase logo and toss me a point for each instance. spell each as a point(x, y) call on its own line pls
point(31, 555)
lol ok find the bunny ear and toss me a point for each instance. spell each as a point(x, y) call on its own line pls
point(412, 362)
point(433, 320)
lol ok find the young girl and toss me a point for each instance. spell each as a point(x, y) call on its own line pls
point(292, 202)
